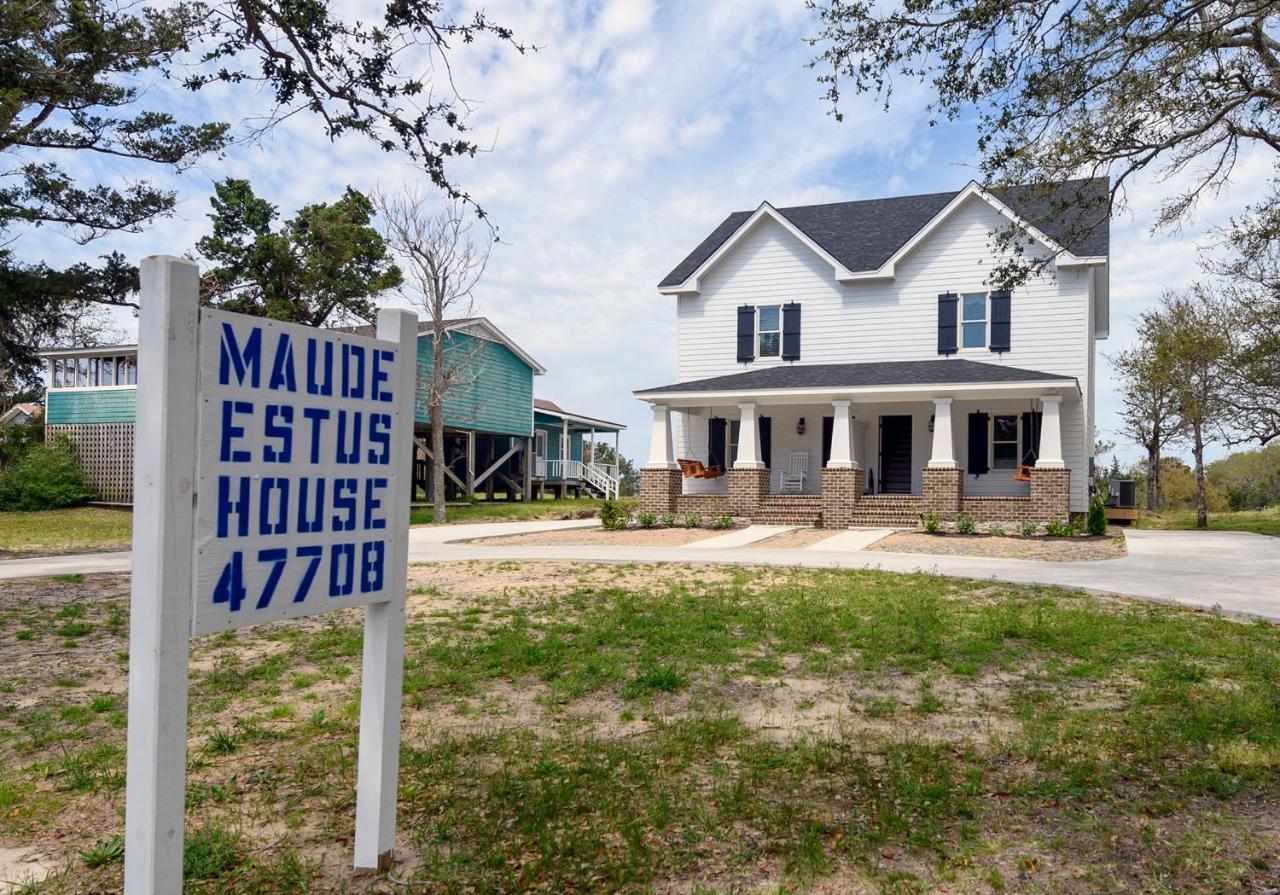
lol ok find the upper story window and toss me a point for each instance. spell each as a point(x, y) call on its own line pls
point(769, 331)
point(974, 320)
point(93, 372)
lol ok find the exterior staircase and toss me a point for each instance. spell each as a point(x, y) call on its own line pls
point(789, 509)
point(887, 510)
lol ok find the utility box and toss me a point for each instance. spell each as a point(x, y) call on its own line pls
point(1122, 500)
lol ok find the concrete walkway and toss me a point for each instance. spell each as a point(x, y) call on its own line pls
point(740, 538)
point(1236, 571)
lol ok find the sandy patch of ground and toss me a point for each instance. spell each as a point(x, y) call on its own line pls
point(592, 537)
point(20, 867)
point(797, 539)
point(1081, 549)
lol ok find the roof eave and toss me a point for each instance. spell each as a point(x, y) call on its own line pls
point(865, 392)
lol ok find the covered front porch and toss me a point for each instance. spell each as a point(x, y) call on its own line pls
point(865, 455)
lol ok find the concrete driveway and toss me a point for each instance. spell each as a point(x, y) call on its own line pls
point(1237, 572)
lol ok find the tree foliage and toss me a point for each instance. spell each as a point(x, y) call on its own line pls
point(1149, 399)
point(1111, 87)
point(322, 266)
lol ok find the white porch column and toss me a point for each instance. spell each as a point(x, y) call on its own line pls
point(944, 448)
point(661, 452)
point(842, 455)
point(748, 439)
point(1050, 434)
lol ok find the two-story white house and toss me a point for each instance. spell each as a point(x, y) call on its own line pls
point(851, 363)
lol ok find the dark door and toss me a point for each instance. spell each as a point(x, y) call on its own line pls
point(895, 454)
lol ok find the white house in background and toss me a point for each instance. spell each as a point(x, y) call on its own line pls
point(850, 363)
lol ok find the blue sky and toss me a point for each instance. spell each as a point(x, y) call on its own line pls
point(615, 148)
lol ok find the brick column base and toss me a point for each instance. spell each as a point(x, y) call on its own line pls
point(1050, 494)
point(943, 491)
point(841, 489)
point(659, 489)
point(747, 487)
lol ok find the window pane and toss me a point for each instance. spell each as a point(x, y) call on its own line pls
point(769, 344)
point(769, 318)
point(975, 306)
point(975, 334)
point(1005, 428)
point(1005, 455)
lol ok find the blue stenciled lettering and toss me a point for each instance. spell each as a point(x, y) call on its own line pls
point(230, 586)
point(352, 380)
point(232, 357)
point(342, 569)
point(349, 448)
point(372, 555)
point(317, 416)
point(380, 375)
point(283, 452)
point(277, 557)
point(314, 519)
point(380, 436)
point(316, 386)
point(372, 503)
point(313, 552)
point(267, 525)
point(227, 506)
point(230, 431)
point(344, 501)
point(282, 374)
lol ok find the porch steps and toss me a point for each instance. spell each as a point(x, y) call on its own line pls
point(887, 510)
point(789, 509)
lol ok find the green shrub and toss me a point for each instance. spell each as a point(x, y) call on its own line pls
point(1097, 523)
point(930, 522)
point(692, 520)
point(615, 514)
point(1028, 529)
point(723, 522)
point(648, 520)
point(995, 530)
point(667, 520)
point(47, 476)
point(1059, 529)
point(964, 524)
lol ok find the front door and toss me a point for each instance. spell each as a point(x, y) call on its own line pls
point(540, 453)
point(895, 454)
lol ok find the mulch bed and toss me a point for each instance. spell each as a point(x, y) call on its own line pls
point(1079, 549)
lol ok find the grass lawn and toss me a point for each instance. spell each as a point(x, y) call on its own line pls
point(572, 728)
point(497, 511)
point(1263, 522)
point(73, 530)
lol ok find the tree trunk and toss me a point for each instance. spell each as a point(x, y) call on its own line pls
point(437, 467)
point(1202, 505)
point(1153, 477)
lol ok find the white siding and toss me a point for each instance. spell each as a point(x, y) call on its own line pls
point(894, 320)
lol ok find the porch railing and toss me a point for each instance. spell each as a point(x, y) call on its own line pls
point(603, 476)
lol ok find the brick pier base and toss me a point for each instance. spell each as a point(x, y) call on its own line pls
point(1050, 494)
point(659, 489)
point(943, 491)
point(747, 487)
point(841, 489)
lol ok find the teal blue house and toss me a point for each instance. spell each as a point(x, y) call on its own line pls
point(496, 442)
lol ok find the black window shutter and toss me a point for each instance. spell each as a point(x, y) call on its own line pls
point(791, 331)
point(948, 305)
point(766, 439)
point(715, 441)
point(828, 426)
point(978, 444)
point(1000, 308)
point(746, 334)
point(1031, 437)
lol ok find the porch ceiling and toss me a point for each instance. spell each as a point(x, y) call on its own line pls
point(887, 381)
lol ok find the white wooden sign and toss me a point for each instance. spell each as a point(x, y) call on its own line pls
point(272, 477)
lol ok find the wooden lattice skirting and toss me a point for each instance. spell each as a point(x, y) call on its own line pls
point(106, 456)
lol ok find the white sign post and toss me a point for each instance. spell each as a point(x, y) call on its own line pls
point(272, 471)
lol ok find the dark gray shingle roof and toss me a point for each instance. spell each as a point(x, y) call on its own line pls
point(862, 235)
point(889, 373)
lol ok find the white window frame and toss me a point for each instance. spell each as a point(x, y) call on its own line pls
point(1017, 441)
point(985, 321)
point(760, 331)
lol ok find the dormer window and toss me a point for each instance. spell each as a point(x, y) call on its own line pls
point(769, 331)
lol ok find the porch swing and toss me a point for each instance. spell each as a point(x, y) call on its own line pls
point(1023, 473)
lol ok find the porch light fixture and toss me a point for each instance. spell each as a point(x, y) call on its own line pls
point(800, 426)
point(931, 416)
